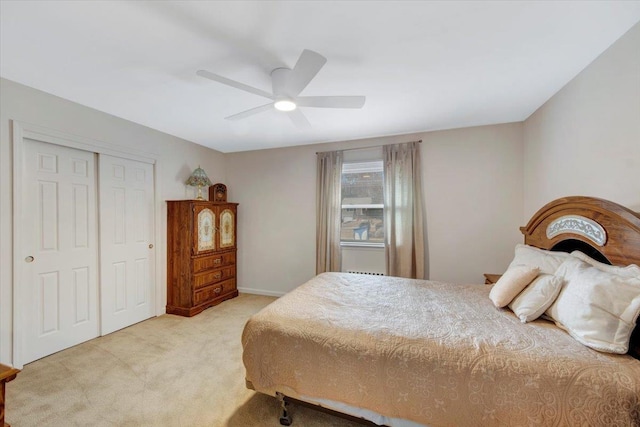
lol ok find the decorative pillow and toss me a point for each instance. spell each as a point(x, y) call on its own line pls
point(631, 270)
point(547, 261)
point(598, 308)
point(537, 297)
point(511, 283)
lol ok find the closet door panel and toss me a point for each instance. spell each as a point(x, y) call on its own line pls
point(126, 248)
point(59, 279)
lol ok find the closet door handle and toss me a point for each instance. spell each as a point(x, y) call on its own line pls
point(29, 259)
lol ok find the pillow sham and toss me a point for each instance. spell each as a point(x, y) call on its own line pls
point(547, 261)
point(536, 297)
point(598, 308)
point(631, 270)
point(511, 283)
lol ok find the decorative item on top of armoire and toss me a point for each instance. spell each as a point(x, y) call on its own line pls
point(218, 192)
point(199, 179)
point(201, 255)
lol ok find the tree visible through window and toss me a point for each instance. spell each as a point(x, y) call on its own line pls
point(362, 203)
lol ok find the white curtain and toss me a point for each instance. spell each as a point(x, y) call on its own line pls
point(403, 219)
point(328, 205)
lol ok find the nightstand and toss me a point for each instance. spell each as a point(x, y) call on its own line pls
point(490, 279)
point(6, 374)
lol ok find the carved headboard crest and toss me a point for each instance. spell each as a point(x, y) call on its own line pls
point(608, 227)
point(579, 225)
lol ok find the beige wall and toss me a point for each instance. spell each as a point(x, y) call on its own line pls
point(586, 139)
point(473, 191)
point(176, 159)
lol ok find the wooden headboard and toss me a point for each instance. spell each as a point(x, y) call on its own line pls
point(602, 229)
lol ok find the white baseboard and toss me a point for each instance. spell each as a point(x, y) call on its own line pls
point(260, 292)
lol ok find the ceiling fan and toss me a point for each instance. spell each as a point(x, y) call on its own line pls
point(286, 87)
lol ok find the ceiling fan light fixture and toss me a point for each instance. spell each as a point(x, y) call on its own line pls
point(285, 105)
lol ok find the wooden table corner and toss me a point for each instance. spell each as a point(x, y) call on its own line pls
point(7, 373)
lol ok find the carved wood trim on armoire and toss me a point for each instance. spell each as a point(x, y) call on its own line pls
point(201, 255)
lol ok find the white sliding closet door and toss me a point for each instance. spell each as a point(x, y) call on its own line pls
point(59, 274)
point(127, 283)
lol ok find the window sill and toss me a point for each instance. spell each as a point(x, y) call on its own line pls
point(361, 245)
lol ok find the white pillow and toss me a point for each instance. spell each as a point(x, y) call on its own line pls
point(537, 297)
point(598, 308)
point(631, 270)
point(511, 283)
point(547, 261)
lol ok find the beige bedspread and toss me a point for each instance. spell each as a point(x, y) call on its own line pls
point(434, 353)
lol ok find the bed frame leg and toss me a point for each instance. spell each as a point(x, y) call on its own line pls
point(285, 418)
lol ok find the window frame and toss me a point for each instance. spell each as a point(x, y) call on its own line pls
point(362, 166)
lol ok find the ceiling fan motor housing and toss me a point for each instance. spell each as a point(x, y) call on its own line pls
point(279, 78)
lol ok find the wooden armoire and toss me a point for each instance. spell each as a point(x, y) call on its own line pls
point(201, 255)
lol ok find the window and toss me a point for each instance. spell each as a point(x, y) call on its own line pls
point(362, 204)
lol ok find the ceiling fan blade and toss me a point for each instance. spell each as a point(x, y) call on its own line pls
point(208, 75)
point(299, 119)
point(304, 71)
point(331, 101)
point(251, 112)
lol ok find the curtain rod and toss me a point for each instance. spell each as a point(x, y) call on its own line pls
point(370, 146)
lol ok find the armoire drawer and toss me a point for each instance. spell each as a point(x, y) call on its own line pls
point(213, 261)
point(207, 278)
point(209, 293)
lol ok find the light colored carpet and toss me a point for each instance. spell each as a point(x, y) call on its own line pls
point(166, 371)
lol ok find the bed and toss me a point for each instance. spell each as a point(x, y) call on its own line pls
point(405, 353)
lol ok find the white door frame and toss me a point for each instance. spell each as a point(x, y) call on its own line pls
point(22, 131)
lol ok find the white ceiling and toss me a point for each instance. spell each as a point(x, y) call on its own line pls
point(422, 65)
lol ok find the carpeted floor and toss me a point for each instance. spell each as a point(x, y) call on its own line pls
point(166, 371)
